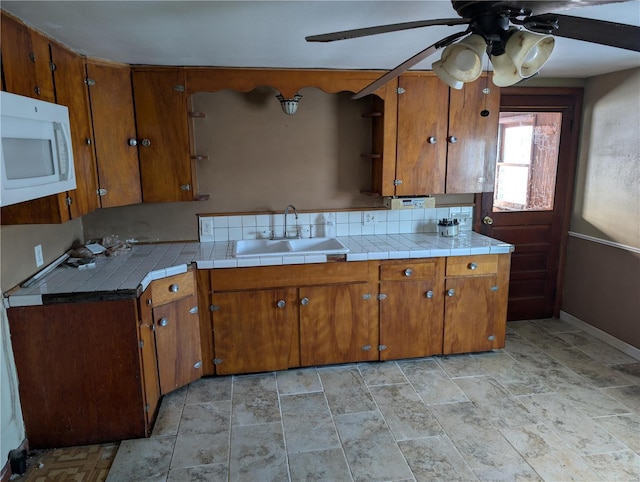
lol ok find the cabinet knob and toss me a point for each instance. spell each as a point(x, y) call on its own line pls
point(453, 139)
point(163, 322)
point(132, 142)
point(472, 266)
point(304, 301)
point(408, 272)
point(281, 304)
point(197, 365)
point(491, 337)
point(451, 292)
point(145, 142)
point(87, 141)
point(174, 288)
point(432, 140)
point(429, 294)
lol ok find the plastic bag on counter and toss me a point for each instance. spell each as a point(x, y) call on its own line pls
point(113, 245)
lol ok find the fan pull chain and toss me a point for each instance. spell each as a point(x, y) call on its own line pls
point(486, 91)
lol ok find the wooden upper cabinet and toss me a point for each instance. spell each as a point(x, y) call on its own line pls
point(443, 143)
point(162, 121)
point(471, 159)
point(25, 61)
point(71, 91)
point(421, 160)
point(115, 134)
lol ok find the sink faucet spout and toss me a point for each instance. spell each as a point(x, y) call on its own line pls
point(286, 212)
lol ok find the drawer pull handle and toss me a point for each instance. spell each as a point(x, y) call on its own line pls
point(163, 322)
point(429, 294)
point(473, 266)
point(174, 288)
point(281, 304)
point(451, 292)
point(408, 272)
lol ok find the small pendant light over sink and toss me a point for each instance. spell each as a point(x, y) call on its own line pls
point(289, 106)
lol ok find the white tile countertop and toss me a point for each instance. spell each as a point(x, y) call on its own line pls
point(127, 275)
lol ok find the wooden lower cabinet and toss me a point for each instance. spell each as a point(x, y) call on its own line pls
point(169, 310)
point(411, 308)
point(475, 311)
point(279, 317)
point(80, 372)
point(338, 324)
point(255, 331)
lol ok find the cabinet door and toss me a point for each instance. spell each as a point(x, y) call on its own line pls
point(162, 123)
point(411, 319)
point(71, 91)
point(25, 61)
point(113, 128)
point(338, 324)
point(471, 159)
point(474, 309)
point(255, 331)
point(178, 343)
point(421, 138)
point(148, 358)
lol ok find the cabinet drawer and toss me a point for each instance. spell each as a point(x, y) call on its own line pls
point(172, 288)
point(405, 270)
point(472, 265)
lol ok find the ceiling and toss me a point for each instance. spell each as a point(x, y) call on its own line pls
point(271, 33)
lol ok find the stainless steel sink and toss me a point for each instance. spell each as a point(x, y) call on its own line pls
point(282, 247)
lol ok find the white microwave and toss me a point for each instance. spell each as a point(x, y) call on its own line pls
point(35, 145)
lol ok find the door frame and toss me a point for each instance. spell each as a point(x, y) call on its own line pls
point(570, 98)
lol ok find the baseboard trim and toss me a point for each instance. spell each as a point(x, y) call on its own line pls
point(624, 347)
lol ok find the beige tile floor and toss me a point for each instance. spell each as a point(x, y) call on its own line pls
point(555, 404)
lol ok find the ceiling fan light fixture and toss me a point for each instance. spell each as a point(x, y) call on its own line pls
point(461, 62)
point(505, 72)
point(289, 106)
point(529, 51)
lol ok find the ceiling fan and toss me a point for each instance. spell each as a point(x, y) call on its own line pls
point(518, 36)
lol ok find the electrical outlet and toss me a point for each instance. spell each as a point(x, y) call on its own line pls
point(39, 257)
point(206, 227)
point(370, 219)
point(464, 219)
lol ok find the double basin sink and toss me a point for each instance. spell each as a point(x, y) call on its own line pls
point(282, 247)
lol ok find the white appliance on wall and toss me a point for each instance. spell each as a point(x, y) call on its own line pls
point(36, 151)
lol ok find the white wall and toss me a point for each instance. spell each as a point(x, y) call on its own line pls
point(12, 426)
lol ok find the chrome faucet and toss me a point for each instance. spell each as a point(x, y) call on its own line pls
point(286, 212)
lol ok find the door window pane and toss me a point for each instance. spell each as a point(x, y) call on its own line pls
point(527, 161)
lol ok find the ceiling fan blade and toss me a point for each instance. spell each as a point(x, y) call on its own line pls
point(539, 7)
point(394, 27)
point(407, 64)
point(601, 32)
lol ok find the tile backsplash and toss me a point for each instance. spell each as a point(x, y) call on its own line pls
point(348, 223)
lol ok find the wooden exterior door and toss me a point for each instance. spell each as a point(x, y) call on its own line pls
point(338, 324)
point(113, 127)
point(177, 328)
point(254, 331)
point(535, 217)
